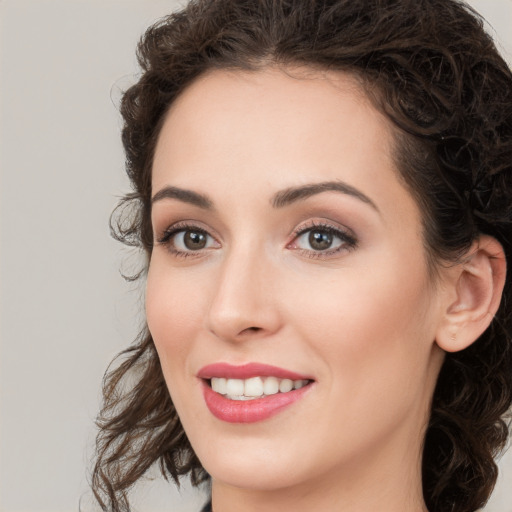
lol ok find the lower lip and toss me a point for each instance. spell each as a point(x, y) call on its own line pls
point(249, 411)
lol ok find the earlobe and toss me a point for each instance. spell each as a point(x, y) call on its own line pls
point(477, 286)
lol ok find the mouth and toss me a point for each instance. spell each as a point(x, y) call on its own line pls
point(252, 392)
point(254, 387)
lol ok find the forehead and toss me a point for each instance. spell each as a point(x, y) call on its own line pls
point(302, 91)
point(277, 128)
point(269, 111)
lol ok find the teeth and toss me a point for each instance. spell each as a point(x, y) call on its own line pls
point(255, 387)
point(219, 385)
point(271, 386)
point(297, 384)
point(285, 385)
point(234, 387)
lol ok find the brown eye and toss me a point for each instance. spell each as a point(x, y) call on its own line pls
point(320, 240)
point(194, 240)
point(323, 241)
point(182, 241)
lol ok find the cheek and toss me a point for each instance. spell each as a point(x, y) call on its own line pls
point(174, 312)
point(370, 326)
point(373, 339)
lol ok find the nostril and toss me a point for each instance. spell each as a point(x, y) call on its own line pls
point(253, 329)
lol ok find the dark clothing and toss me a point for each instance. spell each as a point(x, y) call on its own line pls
point(207, 507)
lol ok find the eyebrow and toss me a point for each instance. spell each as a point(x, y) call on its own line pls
point(187, 196)
point(281, 199)
point(290, 195)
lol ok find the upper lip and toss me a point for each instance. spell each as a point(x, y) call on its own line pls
point(248, 370)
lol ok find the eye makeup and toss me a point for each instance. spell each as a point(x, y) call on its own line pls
point(186, 239)
point(322, 233)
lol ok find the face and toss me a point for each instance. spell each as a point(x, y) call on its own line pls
point(289, 254)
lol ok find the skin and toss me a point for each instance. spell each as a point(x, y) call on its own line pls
point(362, 321)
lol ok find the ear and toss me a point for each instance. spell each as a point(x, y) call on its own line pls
point(474, 294)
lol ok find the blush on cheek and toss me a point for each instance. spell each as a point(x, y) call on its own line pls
point(173, 313)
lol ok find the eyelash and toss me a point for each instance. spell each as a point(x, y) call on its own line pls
point(349, 242)
point(172, 231)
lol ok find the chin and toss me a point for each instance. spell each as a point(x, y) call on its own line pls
point(257, 469)
point(247, 476)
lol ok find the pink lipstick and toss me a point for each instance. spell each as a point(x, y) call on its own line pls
point(251, 392)
point(247, 371)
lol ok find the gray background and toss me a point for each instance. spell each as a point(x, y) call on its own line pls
point(65, 311)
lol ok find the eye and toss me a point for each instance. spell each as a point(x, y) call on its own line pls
point(322, 240)
point(183, 240)
point(191, 240)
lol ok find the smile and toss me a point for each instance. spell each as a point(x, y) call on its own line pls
point(255, 387)
point(252, 392)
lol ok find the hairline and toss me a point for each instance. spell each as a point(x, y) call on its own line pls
point(366, 88)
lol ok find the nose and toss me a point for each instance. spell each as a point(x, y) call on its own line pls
point(244, 303)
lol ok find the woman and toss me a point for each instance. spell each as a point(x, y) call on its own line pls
point(323, 190)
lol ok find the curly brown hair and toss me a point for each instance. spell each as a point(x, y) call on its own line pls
point(431, 68)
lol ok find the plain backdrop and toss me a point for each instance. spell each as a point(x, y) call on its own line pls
point(65, 310)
